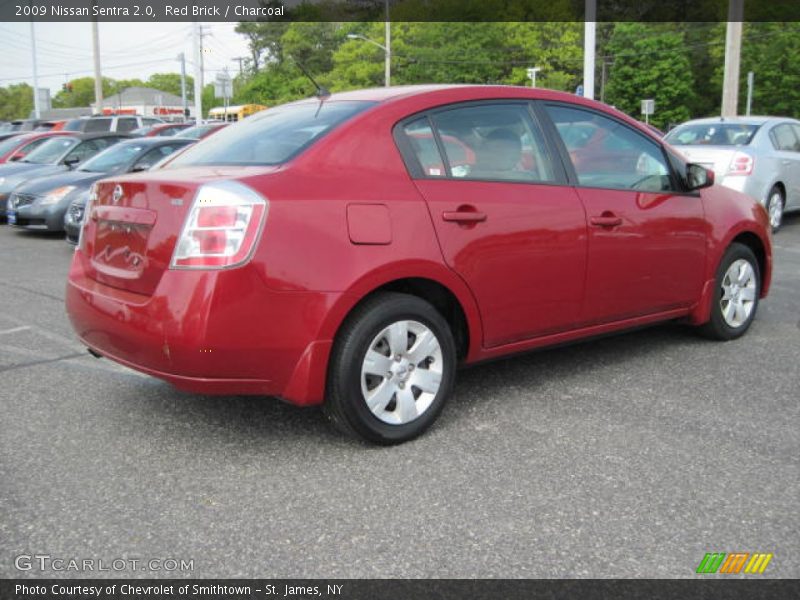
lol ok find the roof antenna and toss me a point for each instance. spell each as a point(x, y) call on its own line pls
point(322, 92)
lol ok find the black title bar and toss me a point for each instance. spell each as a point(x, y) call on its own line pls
point(390, 589)
point(152, 11)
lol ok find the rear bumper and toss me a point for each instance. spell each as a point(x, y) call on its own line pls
point(211, 332)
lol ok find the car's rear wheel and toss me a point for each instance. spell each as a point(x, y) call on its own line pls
point(392, 369)
point(736, 292)
point(775, 204)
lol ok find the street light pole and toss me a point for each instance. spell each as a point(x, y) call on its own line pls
point(589, 29)
point(387, 71)
point(387, 66)
point(532, 75)
point(37, 112)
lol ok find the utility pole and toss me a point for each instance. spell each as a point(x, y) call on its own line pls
point(198, 72)
point(589, 32)
point(733, 49)
point(184, 103)
point(37, 112)
point(387, 75)
point(241, 60)
point(98, 78)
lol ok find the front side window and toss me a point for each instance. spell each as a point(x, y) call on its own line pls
point(113, 158)
point(51, 151)
point(271, 137)
point(605, 153)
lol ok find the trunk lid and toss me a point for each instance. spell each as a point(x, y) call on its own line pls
point(132, 226)
point(716, 158)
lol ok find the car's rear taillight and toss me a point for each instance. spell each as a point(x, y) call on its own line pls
point(741, 164)
point(222, 227)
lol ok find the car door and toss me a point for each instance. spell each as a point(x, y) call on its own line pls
point(785, 139)
point(505, 220)
point(647, 238)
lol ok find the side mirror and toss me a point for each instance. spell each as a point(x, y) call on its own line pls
point(15, 158)
point(698, 177)
point(71, 161)
point(137, 168)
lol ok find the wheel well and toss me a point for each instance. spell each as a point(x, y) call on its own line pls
point(779, 184)
point(752, 241)
point(441, 298)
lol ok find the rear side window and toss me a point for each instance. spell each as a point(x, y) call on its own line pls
point(607, 154)
point(784, 139)
point(490, 142)
point(126, 124)
point(272, 136)
point(97, 125)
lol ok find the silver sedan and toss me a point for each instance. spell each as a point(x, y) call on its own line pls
point(759, 156)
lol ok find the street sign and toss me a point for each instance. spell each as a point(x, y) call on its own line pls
point(223, 86)
point(648, 106)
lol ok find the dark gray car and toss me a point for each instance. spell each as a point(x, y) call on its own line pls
point(57, 155)
point(42, 204)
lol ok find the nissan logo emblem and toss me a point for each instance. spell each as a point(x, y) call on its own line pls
point(117, 194)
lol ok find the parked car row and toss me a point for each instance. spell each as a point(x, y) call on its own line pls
point(42, 173)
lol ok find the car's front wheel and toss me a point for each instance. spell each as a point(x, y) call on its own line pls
point(738, 284)
point(392, 369)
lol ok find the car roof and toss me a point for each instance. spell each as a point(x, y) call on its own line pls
point(743, 120)
point(152, 141)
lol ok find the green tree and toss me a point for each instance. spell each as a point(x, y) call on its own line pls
point(650, 61)
point(80, 92)
point(169, 82)
point(772, 52)
point(16, 101)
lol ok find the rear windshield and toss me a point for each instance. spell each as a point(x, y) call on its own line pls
point(51, 151)
point(272, 136)
point(712, 134)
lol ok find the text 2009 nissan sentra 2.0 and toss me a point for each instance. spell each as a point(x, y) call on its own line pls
point(353, 250)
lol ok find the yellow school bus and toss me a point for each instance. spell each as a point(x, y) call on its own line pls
point(234, 113)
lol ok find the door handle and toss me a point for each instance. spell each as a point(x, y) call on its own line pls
point(606, 220)
point(464, 216)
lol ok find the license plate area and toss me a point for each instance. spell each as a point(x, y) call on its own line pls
point(12, 217)
point(120, 249)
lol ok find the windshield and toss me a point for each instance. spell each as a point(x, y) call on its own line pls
point(712, 134)
point(271, 137)
point(11, 143)
point(51, 151)
point(115, 157)
point(198, 131)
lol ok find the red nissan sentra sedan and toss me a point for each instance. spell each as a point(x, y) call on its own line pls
point(353, 250)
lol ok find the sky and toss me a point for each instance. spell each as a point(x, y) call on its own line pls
point(127, 51)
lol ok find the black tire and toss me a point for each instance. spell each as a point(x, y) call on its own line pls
point(718, 328)
point(345, 402)
point(777, 198)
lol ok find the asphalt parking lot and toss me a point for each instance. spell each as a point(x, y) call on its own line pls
point(630, 456)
